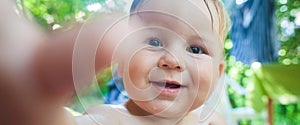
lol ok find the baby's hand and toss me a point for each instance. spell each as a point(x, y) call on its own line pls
point(38, 69)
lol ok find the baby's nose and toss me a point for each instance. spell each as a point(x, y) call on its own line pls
point(170, 62)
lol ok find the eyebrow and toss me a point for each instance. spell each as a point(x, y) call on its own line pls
point(191, 36)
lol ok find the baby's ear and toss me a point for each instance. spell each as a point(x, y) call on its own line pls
point(222, 67)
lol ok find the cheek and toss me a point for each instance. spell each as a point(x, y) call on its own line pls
point(136, 75)
point(202, 75)
point(140, 64)
point(202, 72)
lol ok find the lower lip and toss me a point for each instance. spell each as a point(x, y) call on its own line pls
point(167, 91)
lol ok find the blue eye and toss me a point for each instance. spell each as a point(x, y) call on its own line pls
point(195, 50)
point(154, 42)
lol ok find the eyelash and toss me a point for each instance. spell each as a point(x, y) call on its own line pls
point(194, 49)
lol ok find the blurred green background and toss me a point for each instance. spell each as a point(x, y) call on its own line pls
point(57, 14)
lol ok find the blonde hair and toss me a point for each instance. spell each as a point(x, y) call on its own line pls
point(224, 20)
point(223, 17)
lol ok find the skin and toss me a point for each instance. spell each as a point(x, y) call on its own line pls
point(167, 59)
point(36, 77)
point(45, 63)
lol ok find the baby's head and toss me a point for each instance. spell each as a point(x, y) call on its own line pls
point(220, 20)
point(174, 55)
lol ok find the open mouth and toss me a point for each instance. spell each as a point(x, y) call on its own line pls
point(168, 88)
point(168, 85)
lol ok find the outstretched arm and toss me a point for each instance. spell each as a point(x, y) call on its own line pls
point(36, 67)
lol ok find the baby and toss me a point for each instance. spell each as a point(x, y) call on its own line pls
point(170, 62)
point(170, 58)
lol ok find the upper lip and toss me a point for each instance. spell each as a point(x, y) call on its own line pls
point(172, 82)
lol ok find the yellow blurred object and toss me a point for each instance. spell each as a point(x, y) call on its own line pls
point(73, 112)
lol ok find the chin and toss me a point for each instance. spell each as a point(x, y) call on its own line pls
point(163, 109)
point(171, 114)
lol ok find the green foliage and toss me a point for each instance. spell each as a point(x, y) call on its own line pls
point(104, 77)
point(287, 114)
point(93, 94)
point(288, 22)
point(238, 72)
point(288, 16)
point(52, 14)
point(288, 13)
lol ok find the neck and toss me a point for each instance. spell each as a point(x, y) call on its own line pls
point(135, 110)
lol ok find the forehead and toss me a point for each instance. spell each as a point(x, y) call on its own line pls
point(187, 17)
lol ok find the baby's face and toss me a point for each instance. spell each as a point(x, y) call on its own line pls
point(173, 58)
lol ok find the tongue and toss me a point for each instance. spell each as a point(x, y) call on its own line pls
point(168, 85)
point(172, 86)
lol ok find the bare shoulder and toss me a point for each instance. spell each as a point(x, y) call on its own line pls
point(102, 115)
point(198, 117)
point(217, 119)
